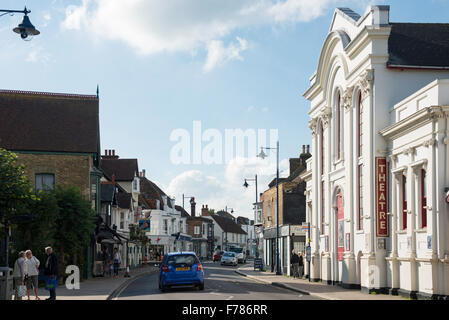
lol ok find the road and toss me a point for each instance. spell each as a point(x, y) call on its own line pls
point(221, 283)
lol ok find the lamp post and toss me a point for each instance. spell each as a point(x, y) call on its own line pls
point(232, 211)
point(257, 197)
point(263, 156)
point(183, 197)
point(26, 28)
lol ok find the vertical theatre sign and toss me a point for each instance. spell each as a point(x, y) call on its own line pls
point(381, 197)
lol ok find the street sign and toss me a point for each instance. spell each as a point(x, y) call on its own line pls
point(308, 253)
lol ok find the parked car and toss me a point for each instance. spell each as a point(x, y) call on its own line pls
point(239, 253)
point(229, 258)
point(181, 269)
point(217, 256)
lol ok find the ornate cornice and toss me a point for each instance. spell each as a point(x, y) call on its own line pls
point(313, 125)
point(327, 112)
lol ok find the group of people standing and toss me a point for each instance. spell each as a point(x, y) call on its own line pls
point(297, 264)
point(26, 273)
point(111, 264)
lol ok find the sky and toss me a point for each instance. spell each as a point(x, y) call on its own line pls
point(175, 75)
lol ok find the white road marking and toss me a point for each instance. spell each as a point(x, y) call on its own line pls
point(229, 298)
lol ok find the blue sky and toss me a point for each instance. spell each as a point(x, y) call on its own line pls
point(161, 65)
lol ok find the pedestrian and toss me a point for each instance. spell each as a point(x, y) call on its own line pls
point(51, 270)
point(117, 261)
point(295, 264)
point(105, 257)
point(301, 265)
point(18, 274)
point(31, 271)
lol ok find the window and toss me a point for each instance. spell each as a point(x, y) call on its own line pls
point(204, 230)
point(122, 220)
point(322, 207)
point(45, 181)
point(321, 133)
point(360, 178)
point(197, 230)
point(136, 185)
point(165, 226)
point(359, 125)
point(404, 202)
point(423, 199)
point(338, 126)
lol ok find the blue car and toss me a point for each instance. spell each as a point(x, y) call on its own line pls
point(181, 269)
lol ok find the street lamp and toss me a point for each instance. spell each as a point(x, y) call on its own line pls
point(183, 197)
point(246, 185)
point(263, 156)
point(232, 211)
point(26, 28)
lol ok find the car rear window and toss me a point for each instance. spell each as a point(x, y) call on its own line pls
point(182, 259)
point(229, 254)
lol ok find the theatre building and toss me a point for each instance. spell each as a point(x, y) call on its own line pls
point(377, 184)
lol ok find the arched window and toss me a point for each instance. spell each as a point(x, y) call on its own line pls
point(338, 125)
point(359, 125)
point(360, 190)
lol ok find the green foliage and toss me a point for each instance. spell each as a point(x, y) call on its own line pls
point(136, 234)
point(74, 225)
point(15, 190)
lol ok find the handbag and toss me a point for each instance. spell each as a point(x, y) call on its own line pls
point(51, 283)
point(21, 290)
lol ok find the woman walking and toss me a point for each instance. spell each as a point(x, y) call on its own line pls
point(18, 274)
point(117, 261)
point(31, 271)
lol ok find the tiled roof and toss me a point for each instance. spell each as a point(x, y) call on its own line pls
point(123, 169)
point(419, 45)
point(183, 211)
point(150, 191)
point(224, 214)
point(48, 122)
point(228, 225)
point(124, 200)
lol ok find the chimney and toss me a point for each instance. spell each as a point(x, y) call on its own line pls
point(303, 149)
point(205, 211)
point(109, 154)
point(143, 173)
point(308, 149)
point(192, 207)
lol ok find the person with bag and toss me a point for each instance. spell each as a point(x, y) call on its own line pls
point(31, 271)
point(51, 271)
point(117, 261)
point(301, 265)
point(18, 276)
point(295, 264)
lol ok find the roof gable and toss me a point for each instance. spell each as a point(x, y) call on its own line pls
point(123, 169)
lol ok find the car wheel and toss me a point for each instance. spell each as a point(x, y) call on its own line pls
point(201, 286)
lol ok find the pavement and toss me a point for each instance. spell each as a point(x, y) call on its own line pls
point(316, 289)
point(98, 288)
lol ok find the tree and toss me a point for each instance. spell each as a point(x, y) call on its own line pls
point(74, 226)
point(15, 192)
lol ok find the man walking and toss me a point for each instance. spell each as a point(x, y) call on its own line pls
point(295, 264)
point(301, 265)
point(18, 274)
point(51, 270)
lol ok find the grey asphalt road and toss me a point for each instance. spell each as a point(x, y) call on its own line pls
point(221, 283)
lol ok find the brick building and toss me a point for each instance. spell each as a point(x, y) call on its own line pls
point(56, 136)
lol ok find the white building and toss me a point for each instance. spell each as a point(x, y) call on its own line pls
point(376, 183)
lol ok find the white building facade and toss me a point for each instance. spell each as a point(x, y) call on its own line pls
point(376, 185)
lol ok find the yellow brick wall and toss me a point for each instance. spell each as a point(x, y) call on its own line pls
point(69, 170)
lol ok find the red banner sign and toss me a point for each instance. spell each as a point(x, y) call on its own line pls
point(381, 197)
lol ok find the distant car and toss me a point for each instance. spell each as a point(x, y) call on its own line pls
point(239, 253)
point(181, 269)
point(217, 256)
point(229, 258)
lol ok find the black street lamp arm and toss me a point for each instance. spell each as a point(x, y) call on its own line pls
point(25, 11)
point(26, 28)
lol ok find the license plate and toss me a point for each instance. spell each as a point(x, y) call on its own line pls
point(182, 269)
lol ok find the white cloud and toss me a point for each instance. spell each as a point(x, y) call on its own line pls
point(218, 54)
point(154, 26)
point(218, 192)
point(264, 109)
